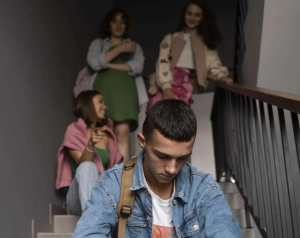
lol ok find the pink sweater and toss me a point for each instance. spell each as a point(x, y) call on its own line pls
point(76, 138)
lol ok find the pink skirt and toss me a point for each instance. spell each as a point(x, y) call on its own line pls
point(182, 88)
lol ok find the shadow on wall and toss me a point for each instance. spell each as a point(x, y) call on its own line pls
point(42, 50)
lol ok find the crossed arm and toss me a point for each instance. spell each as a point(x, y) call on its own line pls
point(98, 59)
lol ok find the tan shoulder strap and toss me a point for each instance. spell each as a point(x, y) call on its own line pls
point(127, 196)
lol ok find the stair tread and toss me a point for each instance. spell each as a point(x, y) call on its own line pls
point(69, 215)
point(235, 200)
point(228, 187)
point(38, 226)
point(250, 233)
point(56, 210)
point(240, 216)
point(55, 235)
point(65, 223)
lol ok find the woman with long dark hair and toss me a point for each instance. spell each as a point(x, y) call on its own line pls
point(188, 57)
point(89, 147)
point(118, 62)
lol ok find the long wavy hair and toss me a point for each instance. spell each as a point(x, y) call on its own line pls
point(104, 28)
point(207, 28)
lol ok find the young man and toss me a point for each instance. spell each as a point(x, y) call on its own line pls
point(173, 199)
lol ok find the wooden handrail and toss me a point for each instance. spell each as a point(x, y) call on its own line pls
point(282, 100)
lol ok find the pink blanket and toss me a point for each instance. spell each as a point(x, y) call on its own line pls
point(76, 138)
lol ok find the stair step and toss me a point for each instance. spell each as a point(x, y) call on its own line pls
point(240, 216)
point(250, 233)
point(235, 200)
point(37, 226)
point(55, 235)
point(56, 210)
point(65, 223)
point(229, 187)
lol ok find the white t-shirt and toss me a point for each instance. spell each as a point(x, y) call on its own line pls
point(163, 226)
point(186, 59)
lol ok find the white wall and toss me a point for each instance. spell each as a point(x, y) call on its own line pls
point(280, 47)
point(272, 41)
point(253, 33)
point(203, 157)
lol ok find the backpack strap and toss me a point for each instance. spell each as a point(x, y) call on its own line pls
point(127, 196)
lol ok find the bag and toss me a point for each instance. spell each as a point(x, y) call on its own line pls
point(85, 78)
point(84, 81)
point(127, 197)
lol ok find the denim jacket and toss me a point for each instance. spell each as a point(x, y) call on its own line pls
point(198, 207)
point(96, 61)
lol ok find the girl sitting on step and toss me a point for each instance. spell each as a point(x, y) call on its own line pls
point(89, 147)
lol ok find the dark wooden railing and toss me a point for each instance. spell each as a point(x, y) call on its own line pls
point(257, 142)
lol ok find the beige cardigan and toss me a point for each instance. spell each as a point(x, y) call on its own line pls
point(207, 62)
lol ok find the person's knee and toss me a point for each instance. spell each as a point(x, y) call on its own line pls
point(86, 168)
point(122, 132)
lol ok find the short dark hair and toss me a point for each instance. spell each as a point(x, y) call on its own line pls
point(208, 28)
point(172, 118)
point(104, 28)
point(83, 107)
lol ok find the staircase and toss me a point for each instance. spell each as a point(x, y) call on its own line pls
point(62, 225)
point(236, 202)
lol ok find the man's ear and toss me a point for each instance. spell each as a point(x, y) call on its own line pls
point(141, 140)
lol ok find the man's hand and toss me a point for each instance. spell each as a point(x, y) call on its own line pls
point(226, 80)
point(128, 46)
point(169, 94)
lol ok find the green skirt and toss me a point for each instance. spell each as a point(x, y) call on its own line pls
point(120, 93)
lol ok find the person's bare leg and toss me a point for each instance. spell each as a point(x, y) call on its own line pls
point(122, 133)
